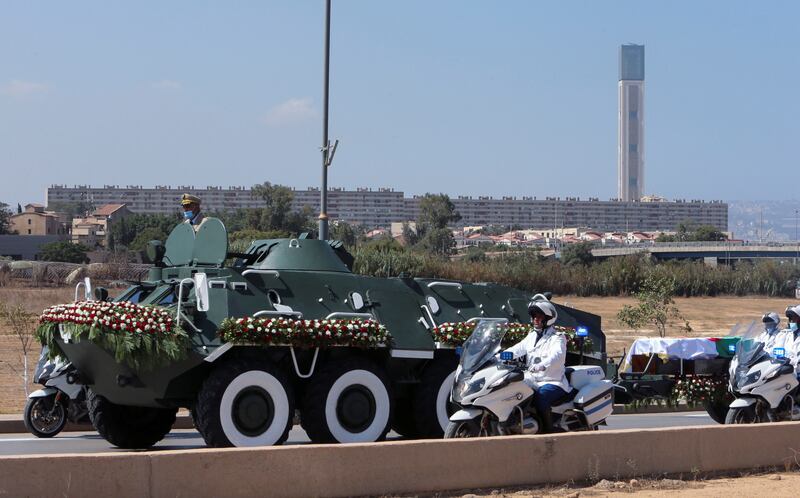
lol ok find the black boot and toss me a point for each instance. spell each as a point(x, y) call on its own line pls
point(547, 421)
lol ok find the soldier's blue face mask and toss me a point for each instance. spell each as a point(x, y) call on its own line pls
point(793, 326)
point(189, 215)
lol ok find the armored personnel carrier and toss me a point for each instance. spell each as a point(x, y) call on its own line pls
point(247, 394)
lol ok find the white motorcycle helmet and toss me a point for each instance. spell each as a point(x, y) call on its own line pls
point(545, 307)
point(771, 321)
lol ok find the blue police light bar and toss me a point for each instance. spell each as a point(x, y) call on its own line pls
point(506, 355)
point(582, 332)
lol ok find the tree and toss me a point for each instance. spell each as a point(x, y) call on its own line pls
point(341, 230)
point(5, 219)
point(687, 231)
point(22, 324)
point(655, 307)
point(436, 211)
point(125, 230)
point(139, 243)
point(64, 251)
point(577, 254)
point(19, 208)
point(76, 208)
point(277, 205)
point(439, 241)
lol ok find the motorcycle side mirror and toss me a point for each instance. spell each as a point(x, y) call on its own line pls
point(101, 294)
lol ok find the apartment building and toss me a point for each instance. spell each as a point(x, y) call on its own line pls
point(381, 207)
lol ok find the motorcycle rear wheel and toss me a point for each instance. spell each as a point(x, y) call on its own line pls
point(45, 417)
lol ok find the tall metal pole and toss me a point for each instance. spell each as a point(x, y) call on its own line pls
point(323, 210)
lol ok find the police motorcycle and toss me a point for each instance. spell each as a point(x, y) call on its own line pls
point(764, 384)
point(494, 400)
point(62, 399)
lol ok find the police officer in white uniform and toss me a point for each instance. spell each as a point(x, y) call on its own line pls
point(545, 350)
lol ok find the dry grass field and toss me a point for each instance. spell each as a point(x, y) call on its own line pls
point(708, 316)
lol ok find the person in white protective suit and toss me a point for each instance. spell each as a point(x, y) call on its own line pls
point(545, 351)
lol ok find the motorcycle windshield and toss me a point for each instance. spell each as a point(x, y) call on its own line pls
point(482, 345)
point(750, 347)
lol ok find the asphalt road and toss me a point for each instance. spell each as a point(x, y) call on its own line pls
point(90, 442)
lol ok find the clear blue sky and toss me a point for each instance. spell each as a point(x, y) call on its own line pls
point(462, 97)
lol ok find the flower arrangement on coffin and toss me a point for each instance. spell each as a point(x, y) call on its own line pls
point(699, 390)
point(304, 333)
point(455, 333)
point(141, 336)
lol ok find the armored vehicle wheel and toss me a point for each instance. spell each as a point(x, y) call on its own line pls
point(129, 427)
point(403, 418)
point(432, 398)
point(245, 402)
point(347, 402)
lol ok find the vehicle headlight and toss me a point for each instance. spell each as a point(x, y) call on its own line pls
point(469, 388)
point(743, 379)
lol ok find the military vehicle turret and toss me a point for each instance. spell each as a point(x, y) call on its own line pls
point(244, 395)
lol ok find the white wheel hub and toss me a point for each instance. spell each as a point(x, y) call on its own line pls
point(269, 386)
point(369, 385)
point(442, 398)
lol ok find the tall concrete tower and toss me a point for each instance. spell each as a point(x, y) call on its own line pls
point(630, 147)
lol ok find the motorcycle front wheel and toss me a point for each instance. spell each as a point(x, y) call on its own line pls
point(45, 417)
point(741, 415)
point(465, 428)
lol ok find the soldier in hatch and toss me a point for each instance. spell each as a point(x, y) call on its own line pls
point(191, 211)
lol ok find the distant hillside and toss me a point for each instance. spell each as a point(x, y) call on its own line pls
point(779, 220)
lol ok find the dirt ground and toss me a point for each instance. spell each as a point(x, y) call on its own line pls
point(708, 316)
point(772, 485)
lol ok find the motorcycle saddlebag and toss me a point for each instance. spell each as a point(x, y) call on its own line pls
point(596, 400)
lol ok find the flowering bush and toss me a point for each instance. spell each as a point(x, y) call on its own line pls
point(455, 333)
point(307, 333)
point(142, 336)
point(698, 390)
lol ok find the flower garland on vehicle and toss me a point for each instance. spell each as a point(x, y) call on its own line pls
point(141, 336)
point(304, 333)
point(699, 390)
point(455, 333)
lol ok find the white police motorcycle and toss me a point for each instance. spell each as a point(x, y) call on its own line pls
point(62, 399)
point(494, 400)
point(765, 385)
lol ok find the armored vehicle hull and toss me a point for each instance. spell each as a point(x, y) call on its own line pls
point(246, 394)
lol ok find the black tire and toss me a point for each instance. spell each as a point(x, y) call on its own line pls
point(403, 418)
point(717, 411)
point(741, 415)
point(347, 401)
point(431, 403)
point(129, 427)
point(44, 417)
point(245, 402)
point(463, 429)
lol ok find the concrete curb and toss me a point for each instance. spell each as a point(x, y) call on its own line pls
point(405, 466)
point(15, 425)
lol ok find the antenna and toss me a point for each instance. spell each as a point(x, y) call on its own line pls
point(328, 149)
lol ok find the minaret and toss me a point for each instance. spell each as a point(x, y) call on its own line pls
point(630, 144)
